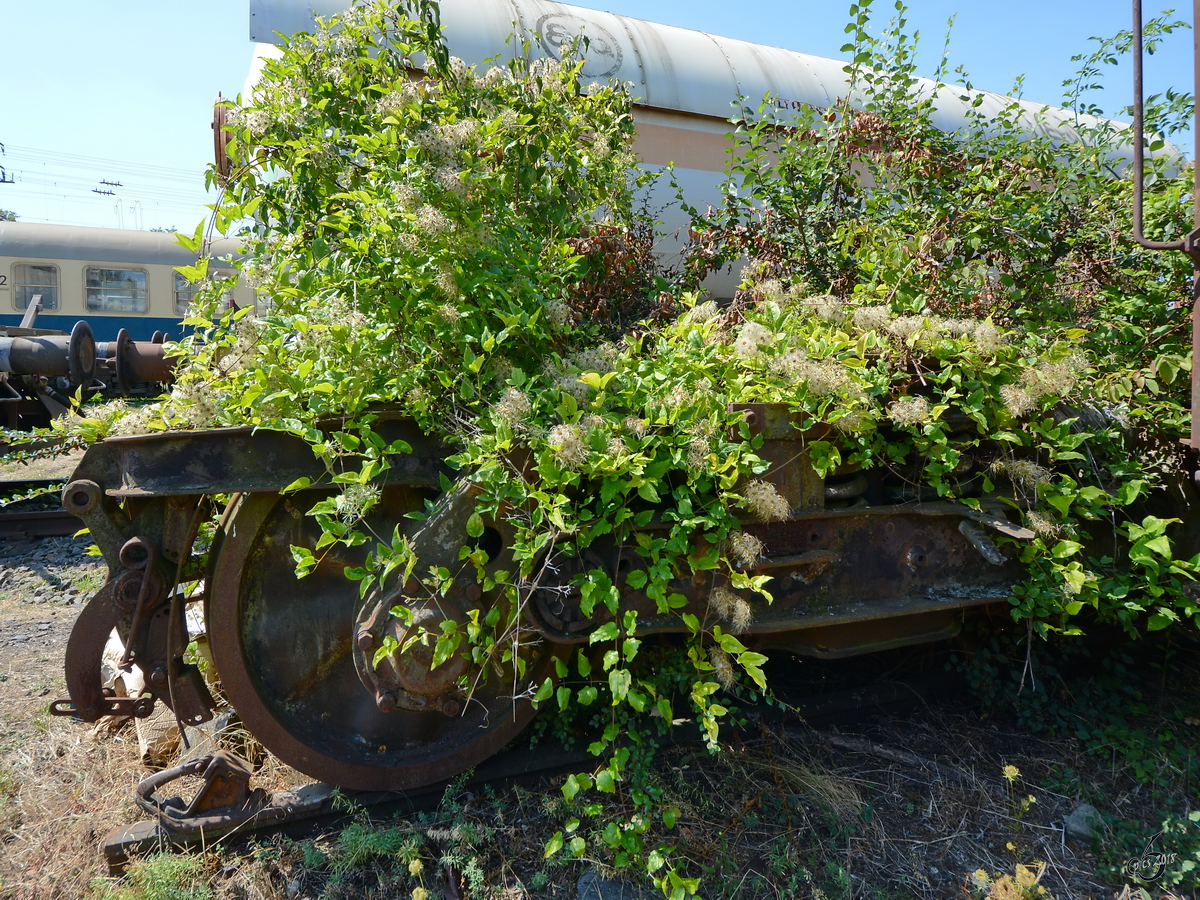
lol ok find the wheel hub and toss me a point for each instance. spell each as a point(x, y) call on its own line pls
point(407, 677)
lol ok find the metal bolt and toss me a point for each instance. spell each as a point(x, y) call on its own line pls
point(365, 640)
point(386, 701)
point(158, 676)
point(474, 592)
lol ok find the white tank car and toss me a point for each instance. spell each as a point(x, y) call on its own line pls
point(685, 84)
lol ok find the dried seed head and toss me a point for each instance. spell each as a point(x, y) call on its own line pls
point(1023, 472)
point(570, 384)
point(825, 306)
point(568, 445)
point(722, 666)
point(988, 337)
point(635, 426)
point(792, 364)
point(732, 608)
point(765, 502)
point(745, 549)
point(1017, 399)
point(560, 314)
point(823, 378)
point(872, 318)
point(1042, 523)
point(906, 327)
point(513, 408)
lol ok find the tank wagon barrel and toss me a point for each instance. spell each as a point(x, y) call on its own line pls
point(686, 86)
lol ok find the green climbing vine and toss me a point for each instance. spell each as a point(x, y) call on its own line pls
point(958, 313)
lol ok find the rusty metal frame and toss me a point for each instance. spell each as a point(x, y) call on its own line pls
point(1190, 244)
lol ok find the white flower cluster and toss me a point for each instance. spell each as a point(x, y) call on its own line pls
point(595, 359)
point(765, 502)
point(137, 421)
point(752, 338)
point(732, 608)
point(1049, 378)
point(568, 445)
point(393, 103)
point(493, 77)
point(253, 119)
point(514, 408)
point(910, 411)
point(703, 312)
point(193, 403)
point(246, 347)
point(560, 314)
point(355, 501)
point(444, 141)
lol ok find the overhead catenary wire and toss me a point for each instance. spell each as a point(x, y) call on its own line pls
point(71, 188)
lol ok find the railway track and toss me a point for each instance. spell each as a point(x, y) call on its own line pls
point(31, 508)
point(226, 808)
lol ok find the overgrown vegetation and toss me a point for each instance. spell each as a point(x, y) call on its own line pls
point(960, 314)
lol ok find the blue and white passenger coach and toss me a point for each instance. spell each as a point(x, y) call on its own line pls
point(109, 277)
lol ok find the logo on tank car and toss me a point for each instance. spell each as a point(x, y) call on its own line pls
point(603, 54)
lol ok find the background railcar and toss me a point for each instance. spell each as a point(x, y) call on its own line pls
point(109, 277)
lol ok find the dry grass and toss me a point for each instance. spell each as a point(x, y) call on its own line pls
point(911, 806)
point(72, 790)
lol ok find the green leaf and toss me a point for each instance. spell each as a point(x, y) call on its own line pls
point(1063, 549)
point(475, 525)
point(553, 845)
point(605, 781)
point(544, 692)
point(619, 682)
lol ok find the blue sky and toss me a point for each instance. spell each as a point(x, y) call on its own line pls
point(122, 92)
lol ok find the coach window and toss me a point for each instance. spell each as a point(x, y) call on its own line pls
point(115, 290)
point(29, 281)
point(185, 293)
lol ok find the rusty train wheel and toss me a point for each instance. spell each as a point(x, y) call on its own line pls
point(282, 648)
